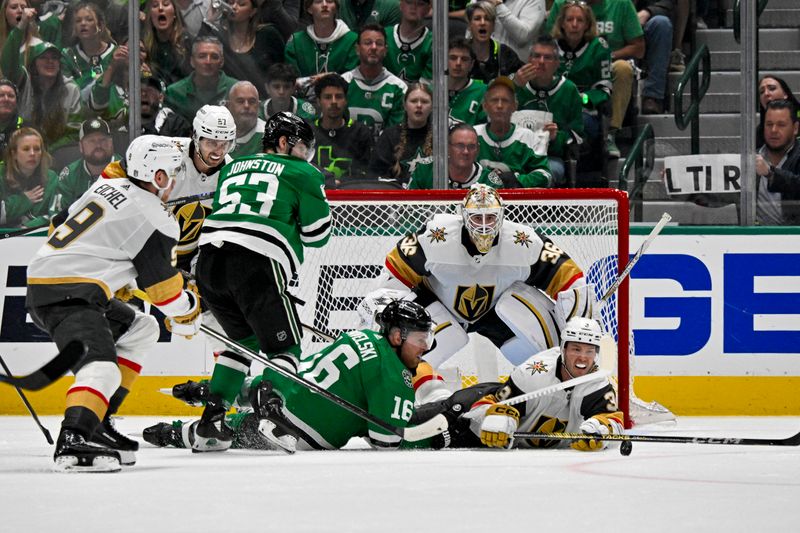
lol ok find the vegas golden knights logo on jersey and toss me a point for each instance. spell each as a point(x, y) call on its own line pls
point(190, 220)
point(545, 424)
point(473, 301)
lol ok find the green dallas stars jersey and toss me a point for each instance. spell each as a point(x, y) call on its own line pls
point(311, 56)
point(378, 103)
point(83, 69)
point(382, 12)
point(514, 153)
point(411, 61)
point(466, 105)
point(589, 68)
point(563, 100)
point(272, 204)
point(616, 21)
point(422, 178)
point(362, 368)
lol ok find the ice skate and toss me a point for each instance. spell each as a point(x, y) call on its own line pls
point(212, 434)
point(107, 435)
point(74, 454)
point(191, 392)
point(164, 435)
point(273, 426)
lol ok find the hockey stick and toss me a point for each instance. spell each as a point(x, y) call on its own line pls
point(546, 391)
point(23, 231)
point(430, 428)
point(57, 367)
point(794, 440)
point(189, 199)
point(28, 405)
point(666, 217)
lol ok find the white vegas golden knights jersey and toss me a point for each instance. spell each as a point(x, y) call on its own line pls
point(115, 233)
point(442, 258)
point(191, 215)
point(562, 411)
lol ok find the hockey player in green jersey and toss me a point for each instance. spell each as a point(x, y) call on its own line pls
point(379, 371)
point(410, 44)
point(326, 45)
point(267, 208)
point(375, 95)
point(540, 89)
point(466, 94)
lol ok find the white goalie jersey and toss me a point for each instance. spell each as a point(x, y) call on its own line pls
point(442, 258)
point(562, 411)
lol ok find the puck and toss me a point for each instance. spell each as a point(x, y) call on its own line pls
point(625, 447)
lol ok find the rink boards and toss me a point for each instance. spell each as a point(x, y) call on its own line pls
point(715, 313)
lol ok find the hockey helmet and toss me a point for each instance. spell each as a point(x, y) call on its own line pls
point(409, 318)
point(148, 154)
point(289, 125)
point(483, 216)
point(580, 329)
point(214, 122)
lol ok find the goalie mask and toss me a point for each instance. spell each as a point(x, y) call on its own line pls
point(413, 321)
point(483, 216)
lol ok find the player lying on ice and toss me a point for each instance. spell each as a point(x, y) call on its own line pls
point(373, 370)
point(475, 416)
point(477, 272)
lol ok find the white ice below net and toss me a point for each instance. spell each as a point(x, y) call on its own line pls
point(333, 279)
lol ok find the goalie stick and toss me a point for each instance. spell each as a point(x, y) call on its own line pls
point(794, 440)
point(430, 428)
point(57, 367)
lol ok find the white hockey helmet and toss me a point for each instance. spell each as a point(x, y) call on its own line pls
point(483, 216)
point(580, 329)
point(214, 122)
point(148, 154)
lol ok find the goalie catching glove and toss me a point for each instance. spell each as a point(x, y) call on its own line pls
point(596, 425)
point(497, 429)
point(187, 324)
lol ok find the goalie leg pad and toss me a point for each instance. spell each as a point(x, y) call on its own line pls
point(449, 337)
point(529, 313)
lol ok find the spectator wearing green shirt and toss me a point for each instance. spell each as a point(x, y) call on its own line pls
point(358, 13)
point(206, 85)
point(243, 105)
point(466, 94)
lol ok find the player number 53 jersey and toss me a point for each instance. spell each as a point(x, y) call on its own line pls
point(442, 258)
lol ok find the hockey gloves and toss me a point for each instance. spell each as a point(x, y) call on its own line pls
point(596, 425)
point(188, 324)
point(497, 429)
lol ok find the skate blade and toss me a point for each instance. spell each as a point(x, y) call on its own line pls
point(285, 443)
point(127, 458)
point(69, 464)
point(209, 444)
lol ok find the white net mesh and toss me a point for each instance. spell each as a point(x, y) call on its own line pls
point(335, 278)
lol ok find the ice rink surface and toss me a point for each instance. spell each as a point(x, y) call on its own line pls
point(659, 487)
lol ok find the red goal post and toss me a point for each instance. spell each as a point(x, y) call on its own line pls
point(591, 225)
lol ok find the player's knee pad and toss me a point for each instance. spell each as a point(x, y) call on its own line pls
point(141, 337)
point(103, 377)
point(529, 313)
point(449, 337)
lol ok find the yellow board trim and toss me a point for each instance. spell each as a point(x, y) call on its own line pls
point(683, 395)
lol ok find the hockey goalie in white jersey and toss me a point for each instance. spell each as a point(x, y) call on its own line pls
point(480, 273)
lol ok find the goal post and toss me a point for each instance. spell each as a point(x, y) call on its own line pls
point(591, 225)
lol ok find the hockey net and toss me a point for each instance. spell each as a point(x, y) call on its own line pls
point(591, 225)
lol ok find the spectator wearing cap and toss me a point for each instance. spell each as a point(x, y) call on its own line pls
point(10, 121)
point(46, 98)
point(505, 147)
point(206, 85)
point(158, 119)
point(539, 88)
point(358, 13)
point(243, 105)
point(97, 151)
point(27, 185)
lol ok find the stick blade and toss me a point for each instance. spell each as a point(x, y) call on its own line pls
point(57, 367)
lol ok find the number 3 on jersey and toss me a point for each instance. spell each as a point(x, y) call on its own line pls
point(265, 187)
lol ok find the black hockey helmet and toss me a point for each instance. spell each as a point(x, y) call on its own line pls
point(408, 317)
point(287, 124)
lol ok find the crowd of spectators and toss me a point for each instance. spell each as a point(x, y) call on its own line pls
point(532, 85)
